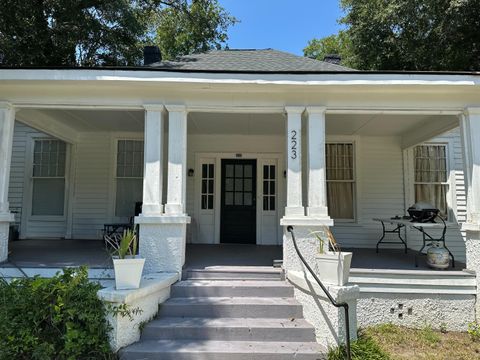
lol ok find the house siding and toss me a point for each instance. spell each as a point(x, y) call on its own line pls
point(93, 185)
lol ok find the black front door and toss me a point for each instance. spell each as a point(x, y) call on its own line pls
point(238, 213)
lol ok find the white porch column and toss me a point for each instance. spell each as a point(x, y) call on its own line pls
point(177, 160)
point(470, 130)
point(7, 121)
point(163, 236)
point(317, 186)
point(153, 169)
point(294, 162)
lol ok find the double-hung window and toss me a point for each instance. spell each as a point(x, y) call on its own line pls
point(48, 192)
point(129, 176)
point(431, 175)
point(340, 181)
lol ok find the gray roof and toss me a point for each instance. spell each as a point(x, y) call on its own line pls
point(247, 60)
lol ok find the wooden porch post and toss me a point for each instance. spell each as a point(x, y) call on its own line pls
point(153, 167)
point(163, 235)
point(294, 162)
point(317, 186)
point(177, 160)
point(470, 128)
point(470, 131)
point(7, 121)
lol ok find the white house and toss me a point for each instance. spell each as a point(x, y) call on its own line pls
point(234, 146)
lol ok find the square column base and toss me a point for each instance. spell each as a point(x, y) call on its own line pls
point(5, 220)
point(472, 247)
point(162, 242)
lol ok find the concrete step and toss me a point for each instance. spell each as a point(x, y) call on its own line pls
point(234, 272)
point(221, 350)
point(240, 307)
point(231, 288)
point(238, 329)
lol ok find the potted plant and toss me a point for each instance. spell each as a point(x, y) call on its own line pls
point(128, 266)
point(333, 265)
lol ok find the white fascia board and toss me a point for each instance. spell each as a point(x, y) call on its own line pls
point(348, 79)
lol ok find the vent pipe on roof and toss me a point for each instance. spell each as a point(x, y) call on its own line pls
point(333, 59)
point(151, 55)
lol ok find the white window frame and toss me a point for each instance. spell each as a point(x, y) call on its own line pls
point(28, 205)
point(410, 177)
point(113, 194)
point(354, 180)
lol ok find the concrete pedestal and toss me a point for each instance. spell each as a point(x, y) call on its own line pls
point(328, 320)
point(5, 220)
point(125, 330)
point(162, 242)
point(472, 246)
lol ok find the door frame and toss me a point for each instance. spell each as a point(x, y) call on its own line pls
point(217, 160)
point(222, 192)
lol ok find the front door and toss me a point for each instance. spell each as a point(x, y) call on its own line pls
point(238, 210)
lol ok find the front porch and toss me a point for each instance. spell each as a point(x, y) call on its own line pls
point(56, 254)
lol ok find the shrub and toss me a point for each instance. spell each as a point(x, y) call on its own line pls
point(58, 318)
point(364, 348)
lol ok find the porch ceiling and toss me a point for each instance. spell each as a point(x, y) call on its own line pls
point(88, 120)
point(413, 128)
point(240, 124)
point(378, 124)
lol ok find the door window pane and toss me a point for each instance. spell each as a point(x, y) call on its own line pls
point(207, 186)
point(269, 187)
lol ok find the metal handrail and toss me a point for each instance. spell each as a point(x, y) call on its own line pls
point(325, 290)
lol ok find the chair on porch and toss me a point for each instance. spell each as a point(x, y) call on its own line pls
point(115, 230)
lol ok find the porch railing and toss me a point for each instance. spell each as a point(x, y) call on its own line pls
point(344, 305)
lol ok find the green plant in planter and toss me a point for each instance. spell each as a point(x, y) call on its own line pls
point(123, 245)
point(330, 240)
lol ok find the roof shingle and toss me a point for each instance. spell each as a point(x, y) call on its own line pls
point(248, 60)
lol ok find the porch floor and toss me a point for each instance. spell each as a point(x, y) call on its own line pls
point(40, 253)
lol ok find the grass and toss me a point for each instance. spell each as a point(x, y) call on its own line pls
point(391, 342)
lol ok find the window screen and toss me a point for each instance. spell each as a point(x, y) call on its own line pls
point(431, 176)
point(48, 192)
point(340, 180)
point(129, 176)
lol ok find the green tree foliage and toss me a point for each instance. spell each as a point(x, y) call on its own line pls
point(200, 27)
point(104, 32)
point(412, 34)
point(338, 44)
point(58, 318)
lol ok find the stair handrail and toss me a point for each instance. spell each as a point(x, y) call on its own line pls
point(344, 305)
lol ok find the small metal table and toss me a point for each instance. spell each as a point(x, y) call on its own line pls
point(422, 227)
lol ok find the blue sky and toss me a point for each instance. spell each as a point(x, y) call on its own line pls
point(281, 24)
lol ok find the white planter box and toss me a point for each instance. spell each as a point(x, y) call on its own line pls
point(128, 272)
point(334, 268)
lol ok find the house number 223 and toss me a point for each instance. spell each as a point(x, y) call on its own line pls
point(293, 144)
